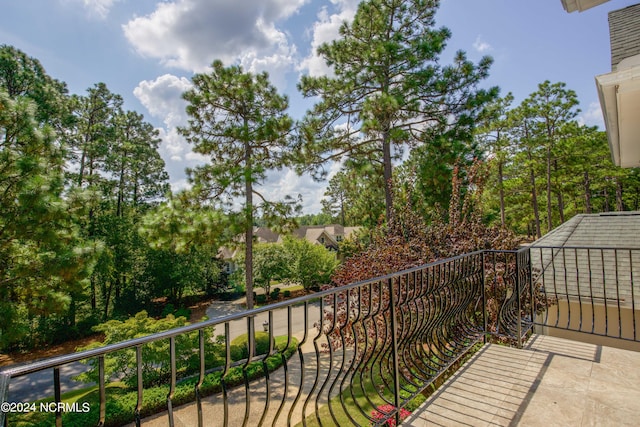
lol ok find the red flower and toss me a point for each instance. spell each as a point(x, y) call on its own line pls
point(383, 411)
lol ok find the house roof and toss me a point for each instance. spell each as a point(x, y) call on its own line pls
point(594, 256)
point(312, 233)
point(580, 5)
point(607, 229)
point(625, 34)
point(265, 235)
point(619, 90)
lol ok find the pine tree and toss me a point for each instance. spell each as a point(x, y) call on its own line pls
point(239, 121)
point(388, 90)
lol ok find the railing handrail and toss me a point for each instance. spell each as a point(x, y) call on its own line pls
point(604, 248)
point(57, 361)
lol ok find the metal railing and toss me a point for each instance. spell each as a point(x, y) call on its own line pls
point(357, 354)
point(588, 290)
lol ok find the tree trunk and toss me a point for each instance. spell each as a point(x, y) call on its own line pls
point(248, 235)
point(561, 206)
point(534, 195)
point(386, 156)
point(107, 297)
point(606, 200)
point(549, 213)
point(92, 281)
point(619, 203)
point(587, 193)
point(501, 187)
point(559, 192)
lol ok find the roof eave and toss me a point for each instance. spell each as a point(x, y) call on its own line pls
point(580, 5)
point(619, 93)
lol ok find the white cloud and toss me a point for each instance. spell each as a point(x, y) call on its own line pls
point(481, 46)
point(593, 116)
point(190, 34)
point(286, 182)
point(324, 30)
point(99, 8)
point(162, 97)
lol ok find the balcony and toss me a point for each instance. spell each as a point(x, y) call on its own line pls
point(365, 353)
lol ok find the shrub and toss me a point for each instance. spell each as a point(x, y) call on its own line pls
point(287, 293)
point(155, 355)
point(240, 346)
point(261, 299)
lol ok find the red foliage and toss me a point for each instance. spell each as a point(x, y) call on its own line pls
point(382, 411)
point(407, 241)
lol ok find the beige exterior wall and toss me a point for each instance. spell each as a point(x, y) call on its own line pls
point(596, 319)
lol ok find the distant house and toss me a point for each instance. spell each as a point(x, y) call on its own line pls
point(327, 235)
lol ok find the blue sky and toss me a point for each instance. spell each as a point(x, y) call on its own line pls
point(147, 51)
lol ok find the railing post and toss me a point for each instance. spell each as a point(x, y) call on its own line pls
point(5, 379)
point(172, 385)
point(394, 348)
point(518, 316)
point(532, 294)
point(485, 320)
point(102, 391)
point(140, 384)
point(57, 395)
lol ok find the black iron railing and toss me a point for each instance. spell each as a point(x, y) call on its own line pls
point(589, 290)
point(359, 354)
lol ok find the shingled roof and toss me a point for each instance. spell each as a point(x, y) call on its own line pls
point(594, 256)
point(624, 28)
point(608, 229)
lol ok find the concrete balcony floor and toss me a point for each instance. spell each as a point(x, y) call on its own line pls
point(550, 382)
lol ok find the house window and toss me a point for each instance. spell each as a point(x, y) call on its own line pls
point(339, 238)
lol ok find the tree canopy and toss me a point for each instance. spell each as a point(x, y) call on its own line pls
point(388, 90)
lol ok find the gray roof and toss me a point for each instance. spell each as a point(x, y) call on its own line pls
point(624, 28)
point(608, 229)
point(593, 256)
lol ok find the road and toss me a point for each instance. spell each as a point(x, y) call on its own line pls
point(39, 385)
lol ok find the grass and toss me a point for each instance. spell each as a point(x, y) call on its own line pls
point(353, 405)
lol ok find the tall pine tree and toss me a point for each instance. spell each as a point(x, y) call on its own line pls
point(239, 121)
point(388, 89)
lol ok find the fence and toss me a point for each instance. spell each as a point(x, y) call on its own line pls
point(589, 290)
point(359, 354)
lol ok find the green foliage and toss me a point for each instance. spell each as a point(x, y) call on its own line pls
point(388, 89)
point(274, 294)
point(546, 167)
point(43, 258)
point(312, 265)
point(240, 346)
point(271, 262)
point(238, 119)
point(156, 355)
point(354, 195)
